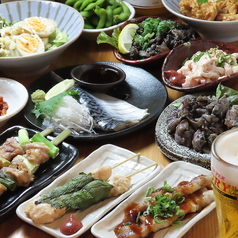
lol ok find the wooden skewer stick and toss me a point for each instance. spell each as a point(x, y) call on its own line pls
point(133, 156)
point(130, 175)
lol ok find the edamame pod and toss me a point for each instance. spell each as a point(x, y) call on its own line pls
point(88, 26)
point(85, 4)
point(117, 10)
point(94, 20)
point(70, 2)
point(101, 12)
point(111, 2)
point(91, 6)
point(86, 14)
point(109, 20)
point(78, 4)
point(124, 15)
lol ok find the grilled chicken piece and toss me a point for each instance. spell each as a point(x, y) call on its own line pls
point(10, 148)
point(120, 184)
point(102, 172)
point(20, 173)
point(36, 152)
point(193, 203)
point(188, 187)
point(43, 213)
point(197, 192)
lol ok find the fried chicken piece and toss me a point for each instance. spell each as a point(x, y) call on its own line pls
point(206, 11)
point(187, 7)
point(227, 7)
point(227, 17)
point(227, 10)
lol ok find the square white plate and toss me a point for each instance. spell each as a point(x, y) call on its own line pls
point(173, 174)
point(105, 155)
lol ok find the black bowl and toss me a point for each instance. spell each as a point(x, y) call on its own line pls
point(98, 77)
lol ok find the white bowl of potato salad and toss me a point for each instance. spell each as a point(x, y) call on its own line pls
point(33, 34)
point(213, 20)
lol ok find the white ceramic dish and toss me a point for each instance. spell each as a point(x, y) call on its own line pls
point(105, 155)
point(210, 30)
point(173, 174)
point(92, 34)
point(16, 96)
point(68, 20)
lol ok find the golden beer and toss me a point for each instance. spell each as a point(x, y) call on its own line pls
point(224, 167)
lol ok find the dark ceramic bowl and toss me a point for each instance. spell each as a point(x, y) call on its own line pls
point(141, 62)
point(98, 77)
point(178, 55)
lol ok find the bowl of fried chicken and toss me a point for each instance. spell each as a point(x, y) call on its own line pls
point(213, 20)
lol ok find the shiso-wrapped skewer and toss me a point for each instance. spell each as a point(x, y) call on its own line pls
point(75, 184)
point(93, 192)
point(79, 181)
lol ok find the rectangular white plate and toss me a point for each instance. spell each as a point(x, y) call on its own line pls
point(173, 174)
point(105, 155)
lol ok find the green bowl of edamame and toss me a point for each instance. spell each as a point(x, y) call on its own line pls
point(92, 34)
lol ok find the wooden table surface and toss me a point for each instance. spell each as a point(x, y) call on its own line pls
point(84, 51)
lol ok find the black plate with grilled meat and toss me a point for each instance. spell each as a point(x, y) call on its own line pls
point(45, 174)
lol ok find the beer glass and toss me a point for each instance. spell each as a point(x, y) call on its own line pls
point(224, 167)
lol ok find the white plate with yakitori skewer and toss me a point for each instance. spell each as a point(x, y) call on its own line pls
point(174, 173)
point(105, 155)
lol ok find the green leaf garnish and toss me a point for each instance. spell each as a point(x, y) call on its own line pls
point(202, 1)
point(47, 107)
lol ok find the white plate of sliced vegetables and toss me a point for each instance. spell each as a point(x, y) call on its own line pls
point(122, 162)
point(173, 174)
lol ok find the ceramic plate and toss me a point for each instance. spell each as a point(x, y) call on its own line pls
point(170, 147)
point(16, 96)
point(46, 173)
point(173, 174)
point(140, 88)
point(105, 155)
point(174, 61)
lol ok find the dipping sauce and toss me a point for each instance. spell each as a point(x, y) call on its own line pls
point(71, 226)
point(100, 76)
point(3, 106)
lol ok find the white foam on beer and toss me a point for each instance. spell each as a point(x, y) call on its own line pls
point(227, 147)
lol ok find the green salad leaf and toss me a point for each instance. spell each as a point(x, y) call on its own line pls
point(56, 39)
point(229, 93)
point(5, 23)
point(112, 40)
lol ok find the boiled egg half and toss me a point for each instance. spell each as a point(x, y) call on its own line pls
point(43, 27)
point(29, 44)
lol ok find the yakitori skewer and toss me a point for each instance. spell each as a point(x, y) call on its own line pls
point(49, 207)
point(104, 172)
